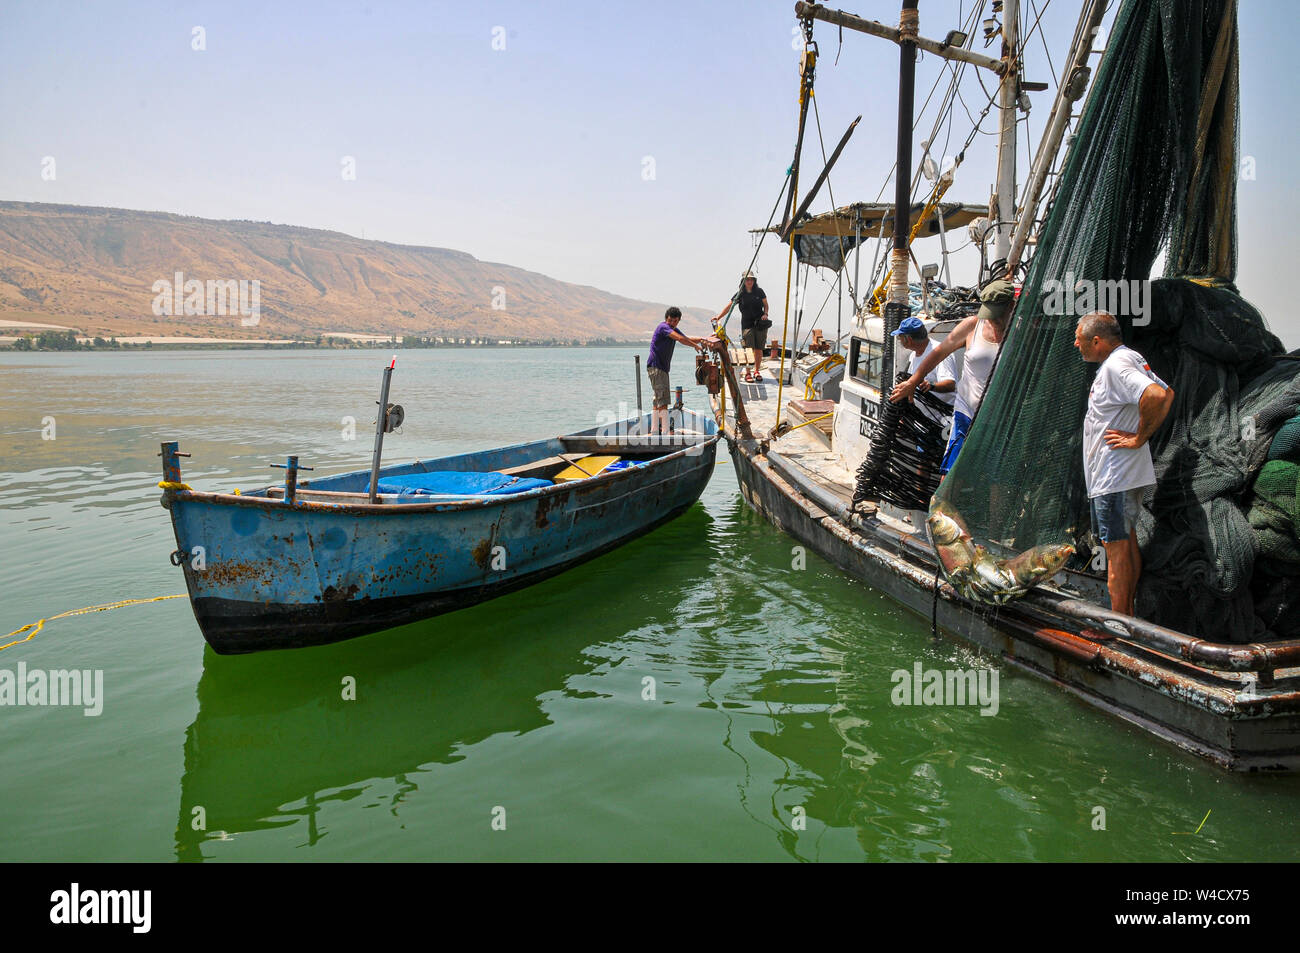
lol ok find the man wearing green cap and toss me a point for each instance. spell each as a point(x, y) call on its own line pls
point(982, 336)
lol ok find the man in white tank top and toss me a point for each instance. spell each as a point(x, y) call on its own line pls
point(982, 336)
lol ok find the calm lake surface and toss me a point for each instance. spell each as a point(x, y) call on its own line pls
point(771, 734)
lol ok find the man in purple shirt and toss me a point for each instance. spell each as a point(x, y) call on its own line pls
point(662, 343)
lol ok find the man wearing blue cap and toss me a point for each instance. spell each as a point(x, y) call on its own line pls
point(941, 380)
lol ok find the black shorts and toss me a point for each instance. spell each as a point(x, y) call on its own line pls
point(754, 336)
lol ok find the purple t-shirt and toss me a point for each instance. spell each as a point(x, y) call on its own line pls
point(661, 347)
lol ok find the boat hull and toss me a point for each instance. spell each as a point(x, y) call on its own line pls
point(272, 575)
point(234, 626)
point(1201, 711)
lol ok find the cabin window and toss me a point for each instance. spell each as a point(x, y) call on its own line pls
point(866, 360)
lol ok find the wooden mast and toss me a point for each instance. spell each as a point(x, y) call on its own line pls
point(873, 28)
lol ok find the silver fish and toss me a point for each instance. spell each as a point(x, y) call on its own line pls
point(1037, 565)
point(972, 570)
point(945, 509)
point(954, 548)
point(990, 578)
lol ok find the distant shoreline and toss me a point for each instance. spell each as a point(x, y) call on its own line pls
point(229, 344)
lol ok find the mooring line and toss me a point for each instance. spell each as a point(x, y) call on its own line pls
point(39, 624)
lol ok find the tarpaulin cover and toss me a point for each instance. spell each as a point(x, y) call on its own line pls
point(823, 251)
point(450, 483)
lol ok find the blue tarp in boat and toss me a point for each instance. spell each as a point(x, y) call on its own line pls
point(454, 483)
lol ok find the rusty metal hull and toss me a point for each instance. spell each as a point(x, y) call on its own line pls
point(1229, 718)
point(232, 626)
point(285, 575)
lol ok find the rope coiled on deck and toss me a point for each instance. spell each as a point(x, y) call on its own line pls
point(907, 444)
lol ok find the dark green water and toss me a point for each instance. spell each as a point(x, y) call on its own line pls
point(772, 687)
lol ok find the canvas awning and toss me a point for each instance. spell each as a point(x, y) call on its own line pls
point(872, 215)
point(825, 240)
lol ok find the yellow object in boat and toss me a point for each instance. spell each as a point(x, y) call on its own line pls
point(585, 468)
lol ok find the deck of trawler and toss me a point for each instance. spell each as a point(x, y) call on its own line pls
point(808, 461)
point(805, 443)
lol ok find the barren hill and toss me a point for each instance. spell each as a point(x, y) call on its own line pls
point(98, 269)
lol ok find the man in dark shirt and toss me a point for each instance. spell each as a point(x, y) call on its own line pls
point(751, 300)
point(662, 343)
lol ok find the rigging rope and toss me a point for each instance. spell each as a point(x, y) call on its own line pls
point(881, 293)
point(807, 76)
point(720, 327)
point(951, 95)
point(831, 193)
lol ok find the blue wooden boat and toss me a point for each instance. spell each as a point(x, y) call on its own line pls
point(311, 562)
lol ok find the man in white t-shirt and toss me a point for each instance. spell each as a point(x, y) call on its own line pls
point(1126, 405)
point(942, 380)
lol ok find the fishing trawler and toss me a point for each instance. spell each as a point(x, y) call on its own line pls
point(1218, 672)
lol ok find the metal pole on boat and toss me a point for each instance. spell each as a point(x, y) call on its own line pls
point(381, 424)
point(638, 391)
point(1004, 211)
point(943, 246)
point(857, 262)
point(290, 468)
point(871, 27)
point(816, 187)
point(1074, 80)
point(839, 305)
point(896, 309)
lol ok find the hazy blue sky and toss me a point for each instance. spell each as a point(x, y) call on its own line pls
point(535, 154)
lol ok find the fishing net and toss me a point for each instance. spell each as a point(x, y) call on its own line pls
point(1286, 445)
point(1274, 515)
point(1153, 165)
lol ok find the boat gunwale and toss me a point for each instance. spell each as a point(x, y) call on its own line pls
point(481, 502)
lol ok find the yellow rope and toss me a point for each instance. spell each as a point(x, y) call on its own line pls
point(810, 386)
point(33, 627)
point(881, 294)
point(804, 92)
point(172, 485)
point(807, 422)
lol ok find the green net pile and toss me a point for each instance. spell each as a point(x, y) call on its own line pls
point(1275, 520)
point(1153, 165)
point(1286, 445)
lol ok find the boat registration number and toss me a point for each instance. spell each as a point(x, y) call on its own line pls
point(870, 413)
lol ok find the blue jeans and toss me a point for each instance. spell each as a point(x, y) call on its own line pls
point(1115, 515)
point(960, 426)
